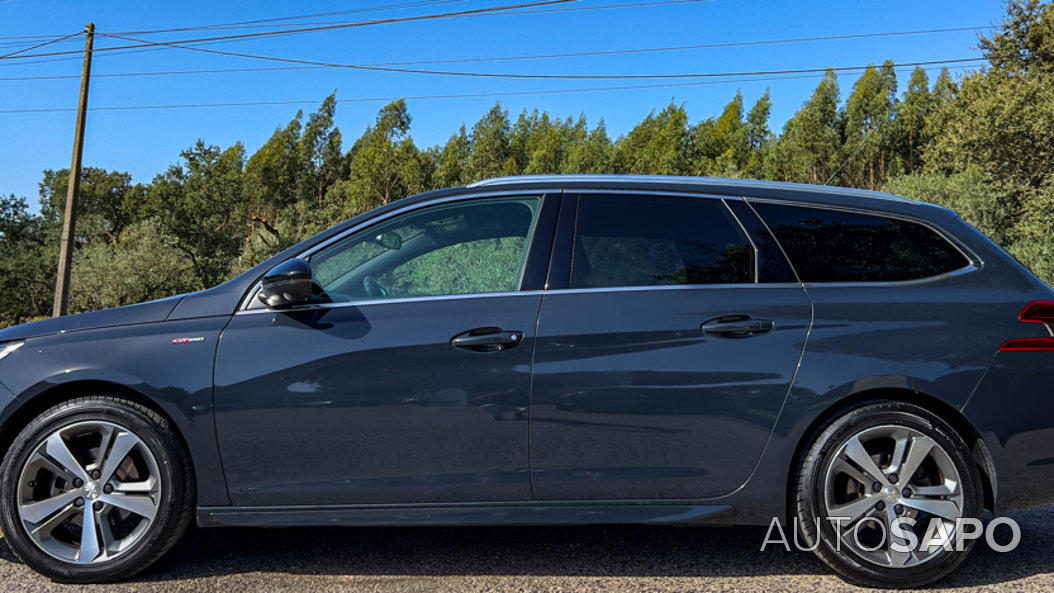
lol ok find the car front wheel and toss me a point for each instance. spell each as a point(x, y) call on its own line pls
point(95, 489)
point(882, 492)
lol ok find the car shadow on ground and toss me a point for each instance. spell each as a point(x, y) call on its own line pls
point(600, 551)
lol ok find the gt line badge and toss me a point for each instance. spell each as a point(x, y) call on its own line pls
point(188, 340)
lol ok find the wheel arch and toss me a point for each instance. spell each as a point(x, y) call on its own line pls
point(960, 424)
point(34, 406)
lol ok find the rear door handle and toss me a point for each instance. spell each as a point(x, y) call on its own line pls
point(487, 339)
point(736, 326)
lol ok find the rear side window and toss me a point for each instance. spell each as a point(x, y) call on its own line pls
point(834, 246)
point(646, 241)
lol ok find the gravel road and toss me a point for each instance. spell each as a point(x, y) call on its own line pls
point(639, 559)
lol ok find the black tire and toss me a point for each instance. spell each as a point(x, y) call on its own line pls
point(807, 496)
point(175, 507)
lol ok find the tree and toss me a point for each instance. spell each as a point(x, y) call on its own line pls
point(453, 160)
point(719, 146)
point(868, 119)
point(970, 193)
point(385, 164)
point(911, 114)
point(591, 154)
point(759, 137)
point(107, 201)
point(196, 204)
point(811, 143)
point(1000, 121)
point(28, 261)
point(146, 267)
point(490, 155)
point(319, 153)
point(658, 145)
point(1025, 42)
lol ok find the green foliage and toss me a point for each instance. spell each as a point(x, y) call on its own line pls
point(1025, 42)
point(196, 204)
point(144, 267)
point(658, 145)
point(970, 193)
point(719, 147)
point(811, 143)
point(486, 265)
point(910, 132)
point(983, 145)
point(867, 127)
point(28, 256)
point(489, 154)
point(1000, 121)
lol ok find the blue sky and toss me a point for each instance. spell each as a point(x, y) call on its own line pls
point(145, 142)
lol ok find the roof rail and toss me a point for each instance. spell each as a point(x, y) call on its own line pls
point(744, 183)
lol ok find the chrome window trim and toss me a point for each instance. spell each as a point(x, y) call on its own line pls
point(247, 300)
point(646, 193)
point(402, 300)
point(975, 262)
point(654, 287)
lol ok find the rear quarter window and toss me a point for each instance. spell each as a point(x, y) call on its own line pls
point(836, 246)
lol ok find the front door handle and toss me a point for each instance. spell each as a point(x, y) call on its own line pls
point(736, 326)
point(487, 339)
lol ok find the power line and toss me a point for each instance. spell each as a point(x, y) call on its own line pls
point(511, 10)
point(259, 34)
point(517, 57)
point(902, 68)
point(637, 4)
point(161, 73)
point(679, 47)
point(18, 51)
point(31, 36)
point(509, 75)
point(250, 23)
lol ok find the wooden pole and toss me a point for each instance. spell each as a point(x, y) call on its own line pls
point(69, 219)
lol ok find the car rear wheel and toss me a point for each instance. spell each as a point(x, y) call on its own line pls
point(882, 492)
point(95, 489)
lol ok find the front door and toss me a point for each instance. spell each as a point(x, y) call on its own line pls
point(661, 366)
point(410, 383)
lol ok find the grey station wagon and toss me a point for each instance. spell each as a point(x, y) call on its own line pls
point(870, 371)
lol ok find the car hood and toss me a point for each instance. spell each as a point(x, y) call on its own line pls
point(129, 315)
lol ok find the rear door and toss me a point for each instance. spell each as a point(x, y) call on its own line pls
point(667, 341)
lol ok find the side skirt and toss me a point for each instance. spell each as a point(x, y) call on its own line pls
point(526, 513)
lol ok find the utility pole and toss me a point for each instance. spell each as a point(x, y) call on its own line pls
point(69, 219)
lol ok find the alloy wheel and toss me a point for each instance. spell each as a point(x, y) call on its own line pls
point(88, 492)
point(891, 472)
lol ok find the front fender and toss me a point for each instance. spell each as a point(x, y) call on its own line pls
point(150, 359)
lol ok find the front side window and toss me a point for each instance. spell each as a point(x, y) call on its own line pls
point(835, 246)
point(647, 241)
point(475, 246)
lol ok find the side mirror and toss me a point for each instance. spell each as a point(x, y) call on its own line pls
point(286, 285)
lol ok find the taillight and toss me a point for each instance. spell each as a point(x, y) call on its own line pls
point(1034, 312)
